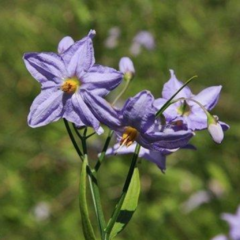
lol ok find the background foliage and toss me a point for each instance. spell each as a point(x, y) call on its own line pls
point(39, 168)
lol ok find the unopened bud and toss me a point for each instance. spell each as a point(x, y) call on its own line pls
point(214, 128)
point(127, 68)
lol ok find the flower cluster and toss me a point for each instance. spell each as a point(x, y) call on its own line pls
point(74, 87)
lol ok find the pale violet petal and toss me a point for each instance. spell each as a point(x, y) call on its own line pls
point(85, 113)
point(64, 44)
point(47, 107)
point(102, 110)
point(101, 77)
point(209, 97)
point(46, 68)
point(80, 56)
point(172, 86)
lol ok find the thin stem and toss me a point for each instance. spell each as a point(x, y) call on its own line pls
point(122, 92)
point(124, 192)
point(77, 132)
point(166, 105)
point(80, 154)
point(102, 155)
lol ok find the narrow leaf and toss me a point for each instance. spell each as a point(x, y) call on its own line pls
point(86, 224)
point(129, 205)
point(165, 106)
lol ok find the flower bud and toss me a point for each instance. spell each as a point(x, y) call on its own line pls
point(214, 128)
point(127, 68)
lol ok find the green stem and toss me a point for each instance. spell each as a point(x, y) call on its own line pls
point(166, 105)
point(122, 92)
point(124, 192)
point(102, 155)
point(80, 154)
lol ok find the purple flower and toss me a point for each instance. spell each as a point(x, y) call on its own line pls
point(220, 237)
point(142, 39)
point(113, 36)
point(234, 223)
point(190, 109)
point(64, 77)
point(136, 122)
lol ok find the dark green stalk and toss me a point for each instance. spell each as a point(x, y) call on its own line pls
point(80, 154)
point(105, 147)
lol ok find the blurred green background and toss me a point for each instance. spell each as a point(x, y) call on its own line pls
point(39, 169)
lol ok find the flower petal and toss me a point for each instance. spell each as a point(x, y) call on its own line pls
point(209, 97)
point(100, 77)
point(153, 156)
point(69, 111)
point(64, 44)
point(172, 86)
point(80, 56)
point(169, 140)
point(47, 107)
point(139, 112)
point(46, 68)
point(102, 110)
point(85, 113)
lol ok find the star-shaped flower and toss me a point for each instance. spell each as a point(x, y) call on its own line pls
point(64, 77)
point(136, 122)
point(189, 108)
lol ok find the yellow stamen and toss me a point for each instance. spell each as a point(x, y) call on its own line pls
point(129, 136)
point(70, 85)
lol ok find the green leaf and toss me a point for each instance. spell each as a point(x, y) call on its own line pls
point(86, 224)
point(129, 205)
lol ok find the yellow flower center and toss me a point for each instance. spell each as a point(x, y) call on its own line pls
point(129, 136)
point(184, 109)
point(70, 85)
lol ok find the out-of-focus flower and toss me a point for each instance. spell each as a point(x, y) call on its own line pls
point(191, 109)
point(127, 68)
point(220, 237)
point(196, 200)
point(142, 39)
point(234, 223)
point(41, 211)
point(113, 36)
point(64, 77)
point(136, 122)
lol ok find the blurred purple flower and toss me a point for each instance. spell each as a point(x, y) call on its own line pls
point(112, 39)
point(64, 77)
point(142, 39)
point(234, 223)
point(190, 109)
point(220, 237)
point(136, 122)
